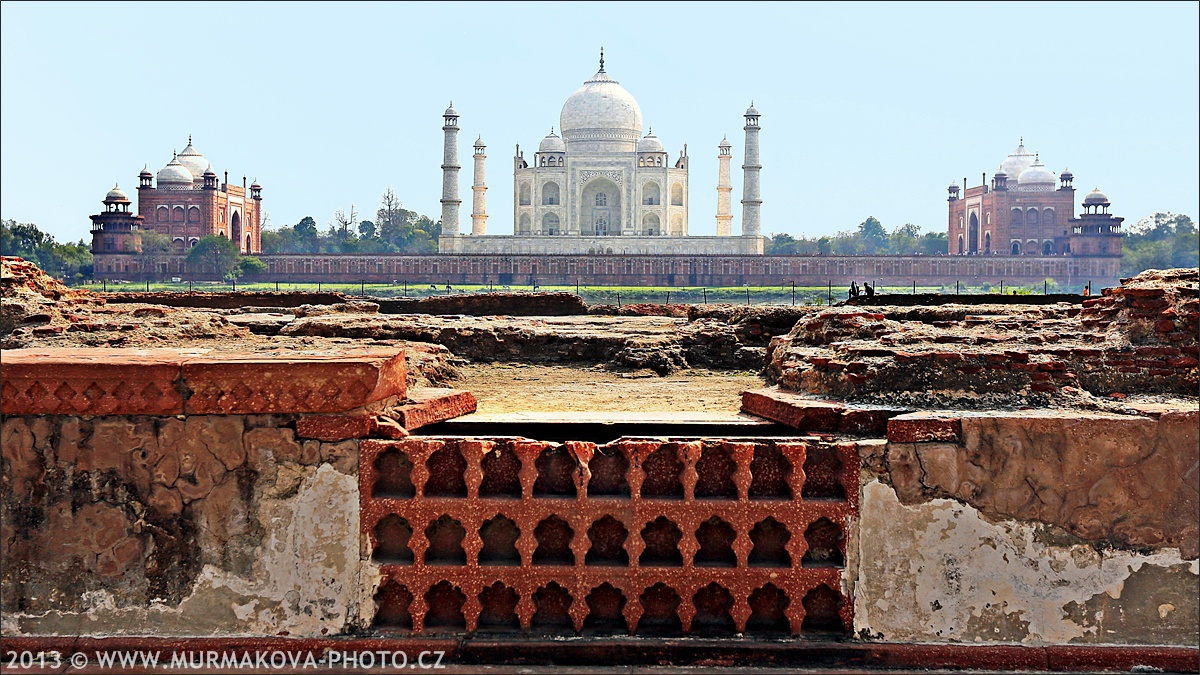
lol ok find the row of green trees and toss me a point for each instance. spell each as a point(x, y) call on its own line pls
point(394, 230)
point(1160, 241)
point(65, 261)
point(870, 238)
point(220, 256)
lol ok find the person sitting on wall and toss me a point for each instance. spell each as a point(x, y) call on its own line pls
point(868, 289)
point(853, 289)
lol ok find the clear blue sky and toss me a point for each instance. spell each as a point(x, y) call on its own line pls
point(867, 109)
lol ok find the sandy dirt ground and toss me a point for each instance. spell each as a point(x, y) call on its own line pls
point(505, 388)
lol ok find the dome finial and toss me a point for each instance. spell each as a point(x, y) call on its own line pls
point(189, 139)
point(602, 58)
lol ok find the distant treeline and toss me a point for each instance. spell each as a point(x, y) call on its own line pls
point(394, 230)
point(70, 262)
point(869, 239)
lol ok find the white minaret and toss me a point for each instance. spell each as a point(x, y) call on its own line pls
point(450, 200)
point(724, 202)
point(479, 192)
point(751, 198)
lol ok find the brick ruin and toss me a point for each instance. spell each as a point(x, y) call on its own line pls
point(1008, 486)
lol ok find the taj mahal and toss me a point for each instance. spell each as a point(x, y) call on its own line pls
point(600, 187)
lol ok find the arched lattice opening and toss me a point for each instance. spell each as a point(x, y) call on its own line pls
point(650, 225)
point(550, 194)
point(1016, 248)
point(551, 224)
point(499, 536)
point(651, 195)
point(600, 208)
point(1047, 248)
point(677, 225)
point(973, 234)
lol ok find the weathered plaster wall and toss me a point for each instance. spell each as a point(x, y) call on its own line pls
point(938, 571)
point(1035, 526)
point(208, 525)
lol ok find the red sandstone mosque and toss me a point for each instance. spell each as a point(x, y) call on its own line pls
point(186, 202)
point(1022, 213)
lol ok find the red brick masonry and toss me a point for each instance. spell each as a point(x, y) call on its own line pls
point(196, 382)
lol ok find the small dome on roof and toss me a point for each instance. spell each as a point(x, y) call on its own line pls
point(650, 143)
point(479, 142)
point(751, 110)
point(255, 185)
point(1066, 174)
point(1036, 177)
point(145, 172)
point(724, 143)
point(1000, 173)
point(450, 112)
point(116, 196)
point(175, 176)
point(1096, 198)
point(209, 172)
point(552, 143)
point(953, 187)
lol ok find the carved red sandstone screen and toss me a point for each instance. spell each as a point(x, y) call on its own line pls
point(650, 537)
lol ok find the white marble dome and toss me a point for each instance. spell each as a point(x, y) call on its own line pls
point(650, 143)
point(193, 161)
point(601, 114)
point(175, 176)
point(552, 143)
point(1018, 161)
point(1037, 177)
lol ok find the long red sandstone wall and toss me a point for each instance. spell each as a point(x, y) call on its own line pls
point(665, 270)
